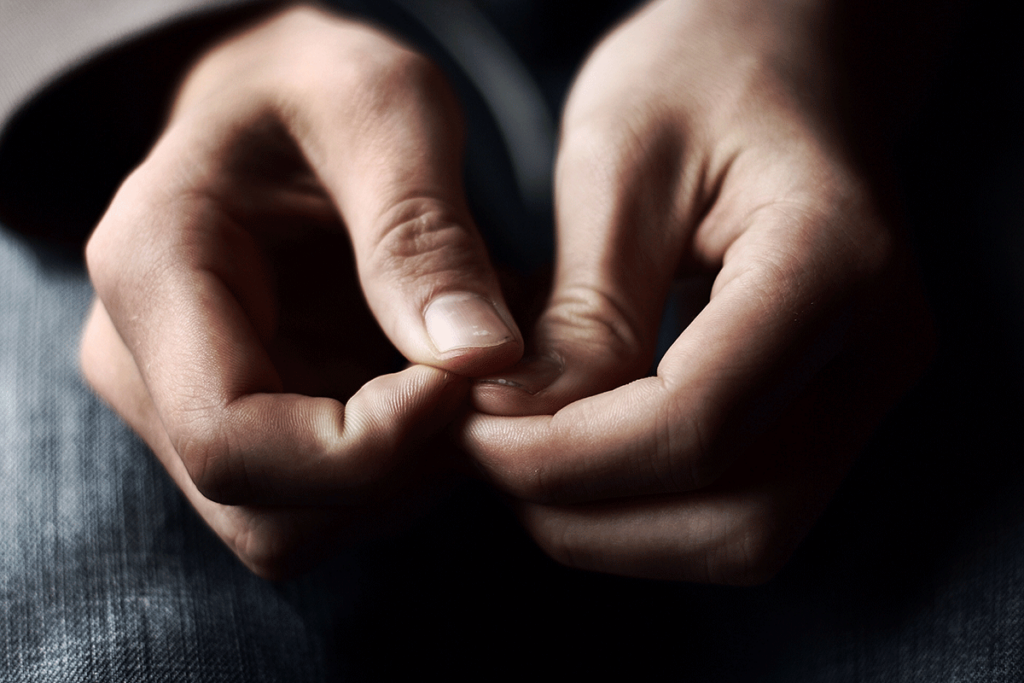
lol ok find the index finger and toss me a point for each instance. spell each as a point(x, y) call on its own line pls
point(186, 289)
point(275, 542)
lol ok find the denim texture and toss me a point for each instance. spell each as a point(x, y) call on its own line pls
point(106, 574)
point(915, 575)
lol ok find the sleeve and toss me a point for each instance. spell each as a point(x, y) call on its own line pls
point(83, 90)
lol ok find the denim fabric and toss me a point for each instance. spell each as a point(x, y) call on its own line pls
point(106, 574)
point(915, 575)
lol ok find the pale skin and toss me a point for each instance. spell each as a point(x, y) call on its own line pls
point(229, 327)
point(698, 140)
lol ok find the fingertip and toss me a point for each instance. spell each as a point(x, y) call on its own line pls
point(338, 453)
point(425, 397)
point(524, 389)
point(471, 335)
point(463, 320)
point(544, 384)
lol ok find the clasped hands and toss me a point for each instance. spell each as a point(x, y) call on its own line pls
point(302, 217)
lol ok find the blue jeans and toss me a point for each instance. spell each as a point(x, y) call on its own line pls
point(915, 574)
point(106, 574)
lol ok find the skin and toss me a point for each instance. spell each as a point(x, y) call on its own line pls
point(305, 196)
point(311, 162)
point(724, 163)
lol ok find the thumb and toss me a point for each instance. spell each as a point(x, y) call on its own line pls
point(615, 258)
point(386, 141)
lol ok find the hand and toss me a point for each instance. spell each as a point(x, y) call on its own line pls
point(698, 142)
point(230, 327)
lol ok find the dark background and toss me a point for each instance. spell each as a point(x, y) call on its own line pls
point(914, 573)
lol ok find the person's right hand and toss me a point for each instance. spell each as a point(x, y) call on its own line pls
point(229, 330)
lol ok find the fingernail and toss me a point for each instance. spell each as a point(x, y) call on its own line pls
point(462, 321)
point(531, 374)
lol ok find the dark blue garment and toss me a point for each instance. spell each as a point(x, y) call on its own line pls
point(106, 574)
point(916, 573)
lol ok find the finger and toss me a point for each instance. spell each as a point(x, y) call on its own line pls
point(211, 380)
point(177, 265)
point(743, 528)
point(274, 543)
point(774, 318)
point(385, 137)
point(620, 238)
point(739, 537)
point(740, 530)
point(265, 543)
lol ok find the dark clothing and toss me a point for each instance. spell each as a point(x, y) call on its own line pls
point(916, 573)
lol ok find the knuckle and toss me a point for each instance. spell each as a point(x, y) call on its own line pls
point(209, 460)
point(387, 76)
point(361, 73)
point(629, 162)
point(90, 356)
point(836, 232)
point(101, 249)
point(518, 463)
point(122, 248)
point(266, 549)
point(420, 237)
point(370, 466)
point(402, 69)
point(600, 322)
point(703, 463)
point(370, 469)
point(96, 253)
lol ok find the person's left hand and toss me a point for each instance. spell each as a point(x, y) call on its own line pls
point(699, 141)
